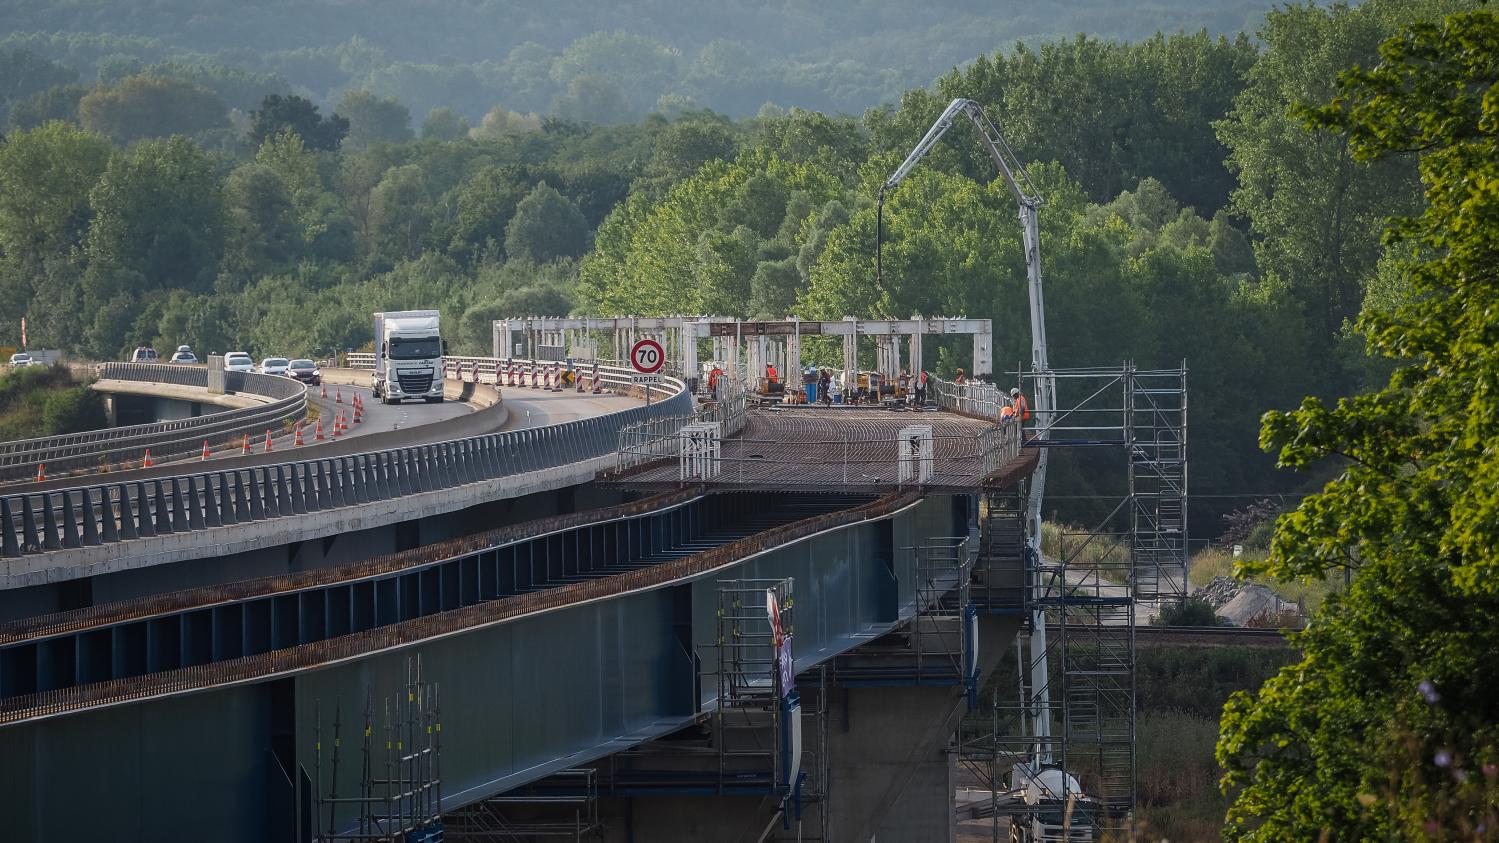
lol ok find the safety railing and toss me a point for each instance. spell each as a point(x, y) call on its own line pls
point(657, 438)
point(20, 459)
point(515, 371)
point(106, 513)
point(974, 398)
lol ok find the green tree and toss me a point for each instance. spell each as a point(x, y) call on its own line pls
point(546, 226)
point(263, 236)
point(45, 178)
point(444, 124)
point(277, 114)
point(400, 213)
point(1315, 211)
point(59, 102)
point(158, 224)
point(73, 410)
point(24, 74)
point(373, 119)
point(1386, 727)
point(646, 63)
point(687, 145)
point(485, 204)
point(151, 107)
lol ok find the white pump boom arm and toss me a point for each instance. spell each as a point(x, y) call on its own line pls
point(1044, 399)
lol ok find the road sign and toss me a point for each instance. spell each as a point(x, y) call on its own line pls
point(645, 379)
point(647, 356)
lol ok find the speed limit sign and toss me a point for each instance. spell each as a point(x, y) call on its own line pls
point(647, 357)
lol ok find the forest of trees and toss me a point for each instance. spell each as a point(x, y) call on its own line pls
point(576, 59)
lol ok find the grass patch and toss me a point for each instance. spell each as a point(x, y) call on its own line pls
point(1177, 777)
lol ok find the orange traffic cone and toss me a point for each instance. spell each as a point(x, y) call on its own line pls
point(357, 411)
point(337, 431)
point(41, 472)
point(146, 463)
point(318, 435)
point(325, 391)
point(205, 451)
point(268, 447)
point(245, 448)
point(338, 396)
point(297, 443)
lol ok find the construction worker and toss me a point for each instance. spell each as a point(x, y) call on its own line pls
point(903, 381)
point(961, 378)
point(713, 377)
point(771, 374)
point(1006, 413)
point(1022, 407)
point(921, 388)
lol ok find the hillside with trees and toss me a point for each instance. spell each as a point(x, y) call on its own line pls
point(579, 60)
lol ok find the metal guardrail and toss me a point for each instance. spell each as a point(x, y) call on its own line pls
point(495, 370)
point(74, 451)
point(107, 513)
point(973, 398)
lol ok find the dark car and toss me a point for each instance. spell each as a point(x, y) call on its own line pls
point(305, 371)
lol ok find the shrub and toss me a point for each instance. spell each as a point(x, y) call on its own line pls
point(73, 411)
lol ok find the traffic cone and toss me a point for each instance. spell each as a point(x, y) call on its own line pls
point(245, 448)
point(338, 396)
point(297, 443)
point(357, 411)
point(325, 391)
point(337, 428)
point(598, 386)
point(146, 463)
point(268, 447)
point(205, 451)
point(318, 436)
point(41, 472)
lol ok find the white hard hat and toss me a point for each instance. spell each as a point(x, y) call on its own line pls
point(1014, 392)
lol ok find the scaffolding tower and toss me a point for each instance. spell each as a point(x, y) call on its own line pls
point(1072, 703)
point(400, 785)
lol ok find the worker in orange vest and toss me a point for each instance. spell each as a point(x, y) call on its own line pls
point(1022, 408)
point(771, 374)
point(961, 378)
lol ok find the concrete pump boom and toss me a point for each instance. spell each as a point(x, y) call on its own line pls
point(1044, 399)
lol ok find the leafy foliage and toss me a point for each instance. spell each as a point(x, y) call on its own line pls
point(1386, 727)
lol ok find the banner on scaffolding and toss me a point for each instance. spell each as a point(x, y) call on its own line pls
point(786, 666)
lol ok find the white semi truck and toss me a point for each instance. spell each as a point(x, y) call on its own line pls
point(408, 356)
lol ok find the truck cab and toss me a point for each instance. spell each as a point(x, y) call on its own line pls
point(409, 352)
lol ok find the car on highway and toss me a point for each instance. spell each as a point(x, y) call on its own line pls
point(144, 354)
point(184, 355)
point(20, 359)
point(305, 371)
point(238, 361)
point(273, 366)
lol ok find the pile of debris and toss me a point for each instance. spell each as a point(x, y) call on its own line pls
point(1220, 592)
point(1243, 604)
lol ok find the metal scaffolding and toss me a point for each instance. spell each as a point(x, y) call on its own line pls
point(400, 789)
point(1072, 702)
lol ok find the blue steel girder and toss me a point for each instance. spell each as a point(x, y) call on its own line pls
point(521, 697)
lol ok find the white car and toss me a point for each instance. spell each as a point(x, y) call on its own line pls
point(184, 355)
point(238, 361)
point(24, 359)
point(274, 366)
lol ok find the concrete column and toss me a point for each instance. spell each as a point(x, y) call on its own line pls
point(983, 349)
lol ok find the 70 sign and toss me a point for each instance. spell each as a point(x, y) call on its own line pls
point(647, 356)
